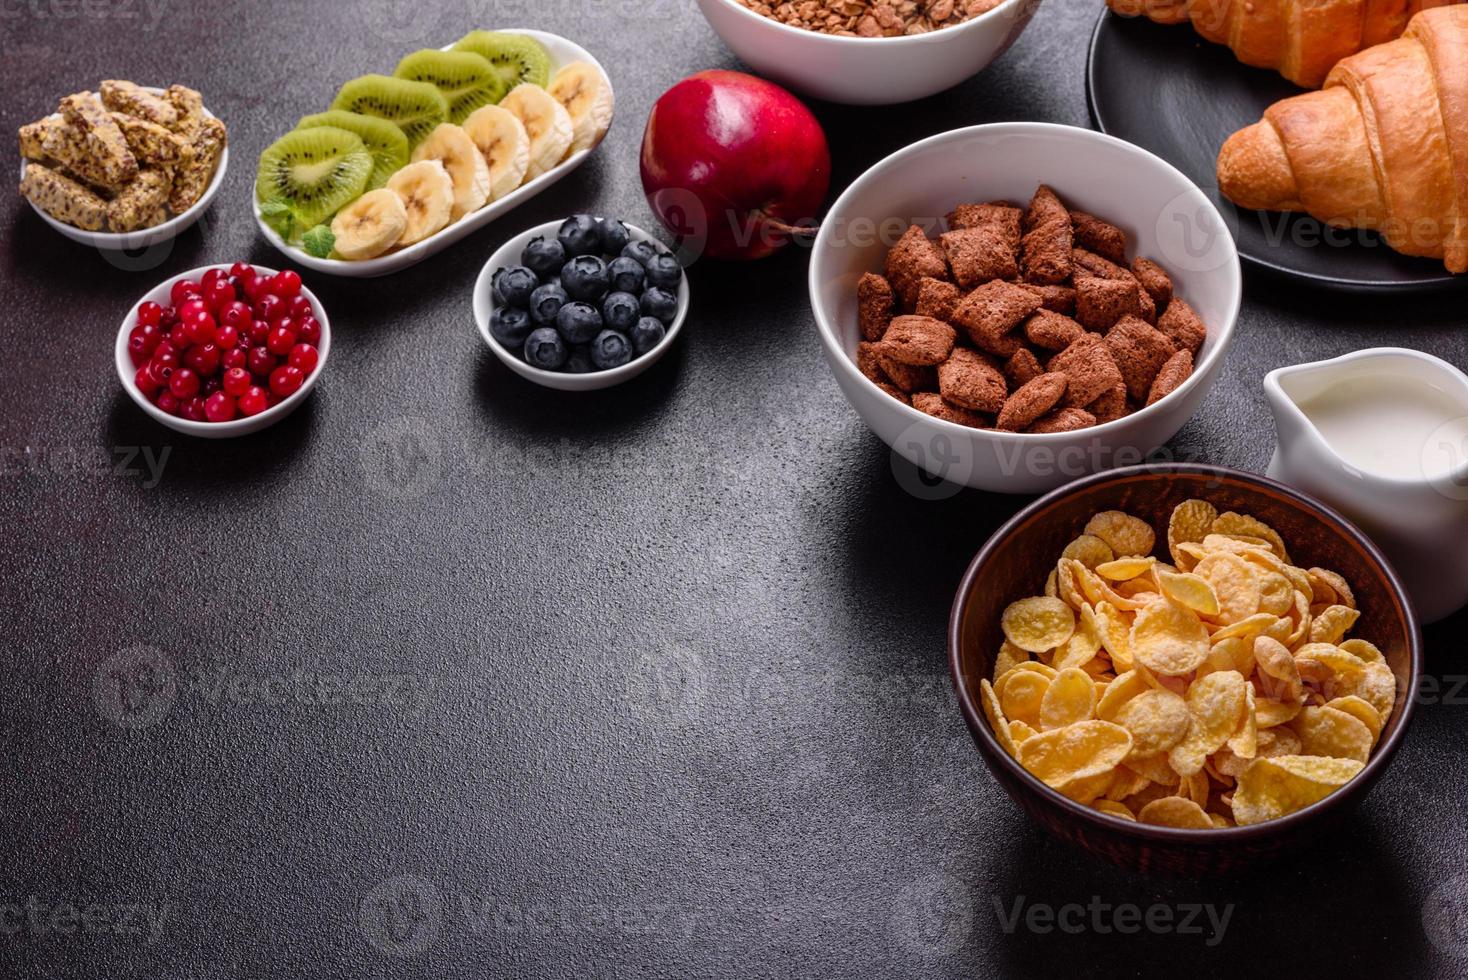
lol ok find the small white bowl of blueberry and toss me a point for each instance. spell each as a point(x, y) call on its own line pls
point(581, 304)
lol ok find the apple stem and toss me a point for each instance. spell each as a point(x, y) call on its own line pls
point(788, 229)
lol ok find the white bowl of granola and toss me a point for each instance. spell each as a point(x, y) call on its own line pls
point(868, 70)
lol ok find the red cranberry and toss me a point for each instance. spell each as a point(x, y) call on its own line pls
point(184, 383)
point(308, 331)
point(182, 290)
point(269, 308)
point(261, 362)
point(219, 407)
point(286, 380)
point(168, 317)
point(168, 401)
point(236, 381)
point(219, 295)
point(241, 269)
point(203, 358)
point(150, 313)
point(193, 409)
point(282, 338)
point(190, 306)
point(300, 307)
point(137, 351)
point(236, 314)
point(162, 366)
point(303, 358)
point(286, 283)
point(145, 383)
point(227, 337)
point(201, 328)
point(178, 335)
point(253, 401)
point(235, 357)
point(210, 276)
point(165, 346)
point(257, 333)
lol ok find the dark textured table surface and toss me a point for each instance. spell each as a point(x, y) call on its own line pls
point(643, 683)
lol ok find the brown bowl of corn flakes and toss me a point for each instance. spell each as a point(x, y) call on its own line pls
point(1183, 668)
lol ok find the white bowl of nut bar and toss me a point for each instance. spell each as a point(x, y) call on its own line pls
point(1012, 355)
point(868, 54)
point(126, 167)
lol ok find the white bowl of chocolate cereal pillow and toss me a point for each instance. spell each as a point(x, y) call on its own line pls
point(1013, 306)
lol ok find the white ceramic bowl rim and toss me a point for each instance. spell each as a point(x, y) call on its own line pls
point(160, 233)
point(611, 376)
point(1218, 334)
point(252, 422)
point(930, 37)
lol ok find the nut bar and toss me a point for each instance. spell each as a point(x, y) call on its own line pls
point(193, 176)
point(189, 105)
point(133, 208)
point(133, 100)
point(33, 138)
point(152, 144)
point(63, 198)
point(102, 140)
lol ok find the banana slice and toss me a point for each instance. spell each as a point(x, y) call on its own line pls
point(587, 96)
point(370, 225)
point(502, 140)
point(427, 192)
point(546, 121)
point(451, 146)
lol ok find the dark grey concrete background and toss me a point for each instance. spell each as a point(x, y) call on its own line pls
point(644, 683)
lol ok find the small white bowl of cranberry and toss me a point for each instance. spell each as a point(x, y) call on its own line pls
point(581, 304)
point(223, 350)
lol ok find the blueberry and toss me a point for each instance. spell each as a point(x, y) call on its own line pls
point(620, 311)
point(613, 235)
point(544, 258)
point(664, 272)
point(661, 304)
point(627, 275)
point(580, 360)
point(546, 302)
point(494, 285)
point(610, 349)
point(642, 251)
point(578, 235)
point(517, 284)
point(545, 349)
point(647, 334)
point(510, 325)
point(585, 278)
point(578, 322)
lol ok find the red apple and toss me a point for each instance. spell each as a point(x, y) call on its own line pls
point(731, 164)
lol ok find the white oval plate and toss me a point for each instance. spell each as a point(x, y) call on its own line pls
point(562, 52)
point(507, 255)
point(126, 372)
point(143, 237)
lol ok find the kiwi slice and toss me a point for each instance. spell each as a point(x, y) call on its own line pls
point(519, 60)
point(417, 108)
point(466, 80)
point(386, 143)
point(314, 172)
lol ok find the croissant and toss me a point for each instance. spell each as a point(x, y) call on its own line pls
point(1302, 39)
point(1383, 146)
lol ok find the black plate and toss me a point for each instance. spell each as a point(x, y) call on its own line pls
point(1173, 93)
